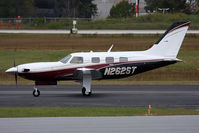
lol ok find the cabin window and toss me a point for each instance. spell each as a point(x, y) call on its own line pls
point(109, 59)
point(95, 60)
point(65, 59)
point(77, 60)
point(123, 59)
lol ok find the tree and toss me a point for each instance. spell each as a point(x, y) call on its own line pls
point(75, 8)
point(86, 9)
point(14, 8)
point(192, 7)
point(173, 5)
point(122, 10)
point(83, 8)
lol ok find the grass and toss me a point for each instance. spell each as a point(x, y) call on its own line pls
point(86, 42)
point(6, 112)
point(151, 21)
point(37, 48)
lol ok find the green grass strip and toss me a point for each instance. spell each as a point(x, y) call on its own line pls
point(89, 111)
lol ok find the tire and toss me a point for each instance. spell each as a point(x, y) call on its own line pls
point(36, 93)
point(89, 94)
point(84, 92)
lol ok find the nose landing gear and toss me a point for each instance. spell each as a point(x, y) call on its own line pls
point(36, 92)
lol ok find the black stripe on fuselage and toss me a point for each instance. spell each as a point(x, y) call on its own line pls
point(130, 69)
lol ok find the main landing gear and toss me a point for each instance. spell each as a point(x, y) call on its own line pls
point(86, 83)
point(85, 93)
point(36, 92)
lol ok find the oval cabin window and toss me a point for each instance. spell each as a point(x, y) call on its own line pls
point(123, 59)
point(95, 60)
point(109, 60)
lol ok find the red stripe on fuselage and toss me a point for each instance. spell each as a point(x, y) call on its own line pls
point(53, 75)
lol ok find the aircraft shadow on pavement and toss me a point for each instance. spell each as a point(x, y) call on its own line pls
point(79, 95)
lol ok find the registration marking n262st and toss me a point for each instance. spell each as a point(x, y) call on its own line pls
point(119, 70)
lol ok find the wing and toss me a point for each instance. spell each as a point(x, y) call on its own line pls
point(80, 73)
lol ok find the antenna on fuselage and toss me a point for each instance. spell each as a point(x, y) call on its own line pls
point(109, 50)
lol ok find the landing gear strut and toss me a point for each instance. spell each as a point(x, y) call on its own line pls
point(36, 92)
point(86, 83)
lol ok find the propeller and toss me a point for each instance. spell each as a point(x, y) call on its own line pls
point(16, 73)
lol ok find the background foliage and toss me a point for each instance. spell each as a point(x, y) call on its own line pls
point(47, 8)
point(13, 8)
point(122, 10)
point(173, 5)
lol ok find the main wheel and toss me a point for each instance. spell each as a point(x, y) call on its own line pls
point(36, 93)
point(84, 93)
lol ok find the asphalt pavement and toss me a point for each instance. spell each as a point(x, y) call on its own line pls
point(172, 96)
point(138, 124)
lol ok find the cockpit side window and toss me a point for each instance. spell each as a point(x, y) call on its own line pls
point(77, 60)
point(65, 59)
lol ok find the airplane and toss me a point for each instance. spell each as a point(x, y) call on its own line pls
point(87, 66)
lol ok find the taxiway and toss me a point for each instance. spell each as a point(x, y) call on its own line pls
point(138, 124)
point(171, 96)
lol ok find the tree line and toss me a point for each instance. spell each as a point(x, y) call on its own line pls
point(182, 6)
point(86, 8)
point(125, 9)
point(47, 8)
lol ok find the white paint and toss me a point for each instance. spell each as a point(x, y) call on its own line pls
point(137, 8)
point(169, 46)
point(51, 66)
point(74, 22)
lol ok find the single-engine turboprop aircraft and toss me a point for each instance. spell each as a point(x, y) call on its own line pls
point(87, 66)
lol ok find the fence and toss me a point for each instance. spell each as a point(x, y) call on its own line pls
point(15, 23)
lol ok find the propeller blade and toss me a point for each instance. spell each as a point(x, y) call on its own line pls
point(16, 73)
point(14, 63)
point(16, 78)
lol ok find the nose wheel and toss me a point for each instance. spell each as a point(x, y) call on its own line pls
point(36, 92)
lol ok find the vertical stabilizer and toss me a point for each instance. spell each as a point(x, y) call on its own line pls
point(169, 44)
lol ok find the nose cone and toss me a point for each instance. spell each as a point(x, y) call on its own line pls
point(12, 70)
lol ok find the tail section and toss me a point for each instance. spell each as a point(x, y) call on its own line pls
point(169, 44)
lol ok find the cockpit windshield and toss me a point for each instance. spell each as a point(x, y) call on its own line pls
point(66, 59)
